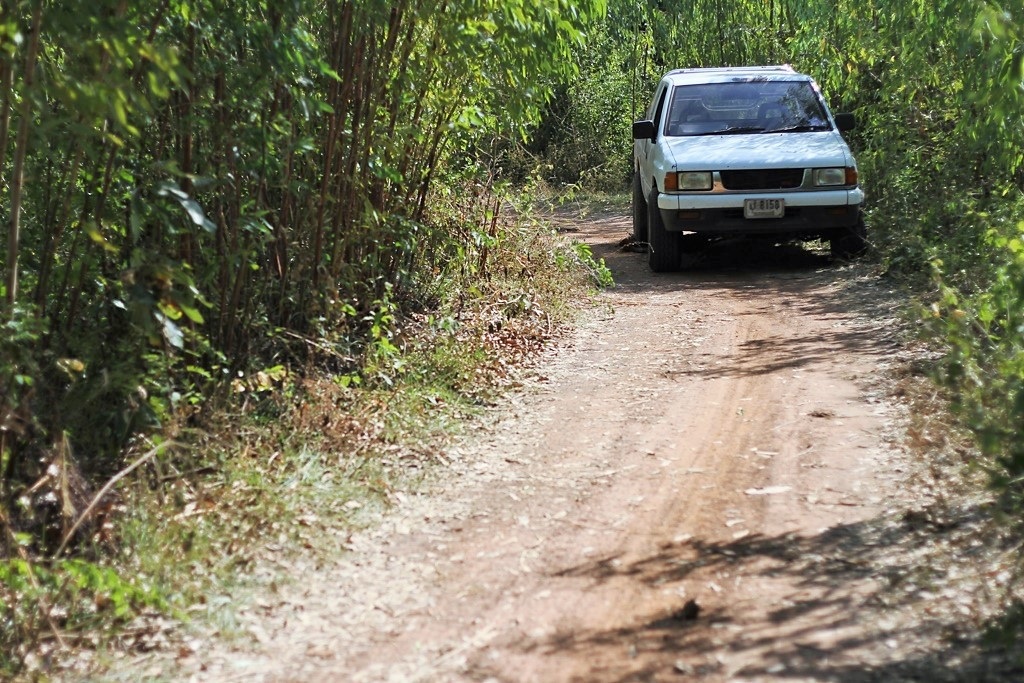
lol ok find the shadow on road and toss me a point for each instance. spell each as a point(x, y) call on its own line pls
point(800, 280)
point(733, 261)
point(891, 551)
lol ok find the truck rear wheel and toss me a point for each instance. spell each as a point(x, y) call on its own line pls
point(848, 243)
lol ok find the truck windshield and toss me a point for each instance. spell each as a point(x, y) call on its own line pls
point(748, 106)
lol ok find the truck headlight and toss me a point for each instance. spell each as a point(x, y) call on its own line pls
point(695, 180)
point(829, 176)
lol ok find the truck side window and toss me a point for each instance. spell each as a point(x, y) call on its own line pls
point(658, 110)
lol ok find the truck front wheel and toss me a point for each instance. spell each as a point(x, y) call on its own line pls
point(639, 210)
point(664, 246)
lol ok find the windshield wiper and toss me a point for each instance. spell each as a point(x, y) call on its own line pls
point(801, 128)
point(733, 130)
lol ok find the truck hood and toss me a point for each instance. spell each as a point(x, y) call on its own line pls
point(759, 150)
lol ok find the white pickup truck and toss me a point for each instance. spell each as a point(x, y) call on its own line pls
point(750, 151)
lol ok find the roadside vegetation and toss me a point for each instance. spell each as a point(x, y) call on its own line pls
point(260, 254)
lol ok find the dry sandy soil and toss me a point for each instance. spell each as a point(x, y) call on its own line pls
point(704, 481)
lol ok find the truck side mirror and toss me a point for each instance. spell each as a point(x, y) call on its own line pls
point(845, 122)
point(643, 130)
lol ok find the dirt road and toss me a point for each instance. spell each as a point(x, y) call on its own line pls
point(694, 488)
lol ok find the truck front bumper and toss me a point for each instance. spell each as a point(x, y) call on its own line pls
point(806, 213)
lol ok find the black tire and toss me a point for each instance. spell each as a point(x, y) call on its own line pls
point(639, 210)
point(849, 243)
point(664, 251)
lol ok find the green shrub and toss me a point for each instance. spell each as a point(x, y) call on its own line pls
point(983, 328)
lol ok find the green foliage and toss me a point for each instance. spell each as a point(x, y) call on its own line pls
point(984, 329)
point(67, 595)
point(18, 335)
point(582, 255)
point(583, 135)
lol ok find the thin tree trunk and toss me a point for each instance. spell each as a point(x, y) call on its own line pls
point(7, 83)
point(340, 33)
point(20, 152)
point(57, 231)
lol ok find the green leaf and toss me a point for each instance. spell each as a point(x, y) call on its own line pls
point(192, 313)
point(96, 236)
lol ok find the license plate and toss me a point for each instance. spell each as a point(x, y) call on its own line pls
point(764, 208)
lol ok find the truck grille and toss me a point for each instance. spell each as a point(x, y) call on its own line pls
point(773, 179)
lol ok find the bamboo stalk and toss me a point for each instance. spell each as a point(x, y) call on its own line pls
point(59, 222)
point(7, 85)
point(20, 153)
